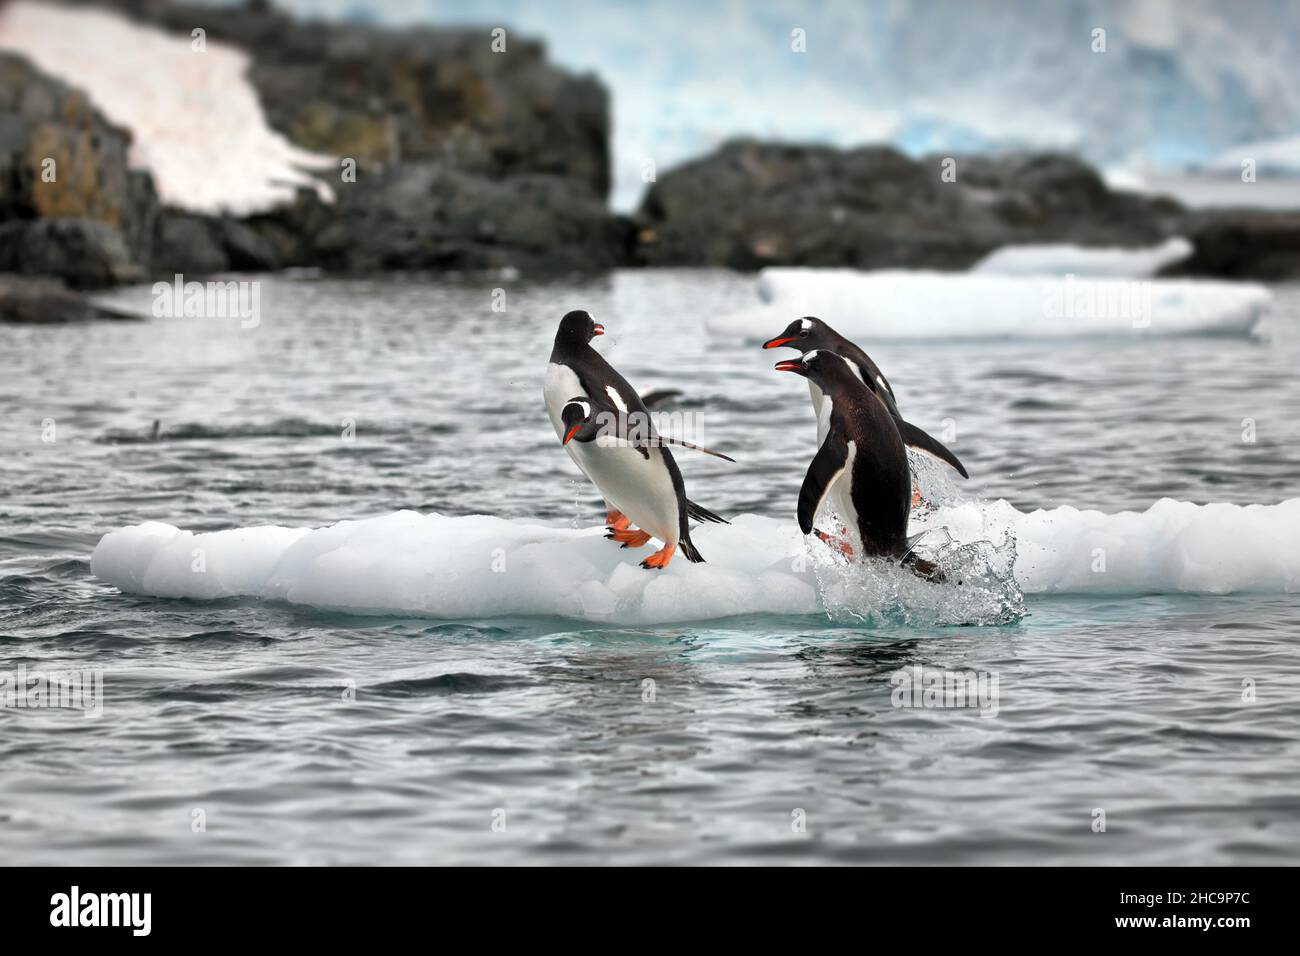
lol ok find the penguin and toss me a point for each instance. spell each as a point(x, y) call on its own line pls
point(861, 464)
point(640, 481)
point(812, 333)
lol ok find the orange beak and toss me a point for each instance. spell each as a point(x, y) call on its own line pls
point(600, 329)
point(788, 366)
point(777, 343)
point(572, 431)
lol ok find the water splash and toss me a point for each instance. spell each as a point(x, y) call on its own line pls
point(977, 587)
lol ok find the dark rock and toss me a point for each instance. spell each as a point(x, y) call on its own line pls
point(195, 245)
point(290, 231)
point(1243, 244)
point(42, 300)
point(428, 216)
point(44, 122)
point(752, 204)
point(187, 245)
point(84, 253)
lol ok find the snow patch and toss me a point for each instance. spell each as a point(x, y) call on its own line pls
point(196, 120)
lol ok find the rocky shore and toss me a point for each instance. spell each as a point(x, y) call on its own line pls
point(467, 159)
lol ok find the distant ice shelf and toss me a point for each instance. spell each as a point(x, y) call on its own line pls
point(898, 304)
point(479, 566)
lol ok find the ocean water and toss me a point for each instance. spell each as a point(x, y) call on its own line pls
point(239, 731)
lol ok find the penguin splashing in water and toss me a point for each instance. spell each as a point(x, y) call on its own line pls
point(635, 471)
point(861, 465)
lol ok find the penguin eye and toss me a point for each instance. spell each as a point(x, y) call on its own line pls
point(803, 333)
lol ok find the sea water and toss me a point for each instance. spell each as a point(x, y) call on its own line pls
point(1114, 688)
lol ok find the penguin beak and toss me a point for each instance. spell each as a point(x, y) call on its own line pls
point(789, 366)
point(600, 329)
point(776, 343)
point(572, 431)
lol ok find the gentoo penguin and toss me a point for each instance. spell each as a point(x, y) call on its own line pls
point(642, 486)
point(861, 464)
point(812, 333)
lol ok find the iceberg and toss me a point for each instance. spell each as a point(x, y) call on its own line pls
point(901, 304)
point(481, 567)
point(1067, 258)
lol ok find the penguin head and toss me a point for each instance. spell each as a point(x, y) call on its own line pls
point(578, 328)
point(803, 334)
point(819, 365)
point(578, 420)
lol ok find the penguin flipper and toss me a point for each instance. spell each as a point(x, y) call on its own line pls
point(659, 439)
point(914, 437)
point(700, 513)
point(660, 396)
point(827, 465)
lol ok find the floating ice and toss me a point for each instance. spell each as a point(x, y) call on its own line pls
point(197, 122)
point(944, 305)
point(1069, 259)
point(485, 567)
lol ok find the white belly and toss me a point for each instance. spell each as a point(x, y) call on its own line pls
point(839, 496)
point(817, 404)
point(642, 489)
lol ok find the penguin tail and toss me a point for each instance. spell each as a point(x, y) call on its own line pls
point(688, 548)
point(700, 513)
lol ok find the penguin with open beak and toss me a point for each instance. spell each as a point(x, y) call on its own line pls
point(811, 333)
point(861, 466)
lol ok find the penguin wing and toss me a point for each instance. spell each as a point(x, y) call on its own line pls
point(827, 466)
point(658, 397)
point(662, 440)
point(643, 443)
point(913, 437)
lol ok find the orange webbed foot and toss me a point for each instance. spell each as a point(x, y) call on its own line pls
point(629, 537)
point(659, 560)
point(616, 520)
point(838, 544)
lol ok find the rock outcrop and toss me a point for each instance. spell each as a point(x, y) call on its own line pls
point(42, 300)
point(69, 204)
point(464, 157)
point(1243, 244)
point(752, 204)
point(383, 96)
